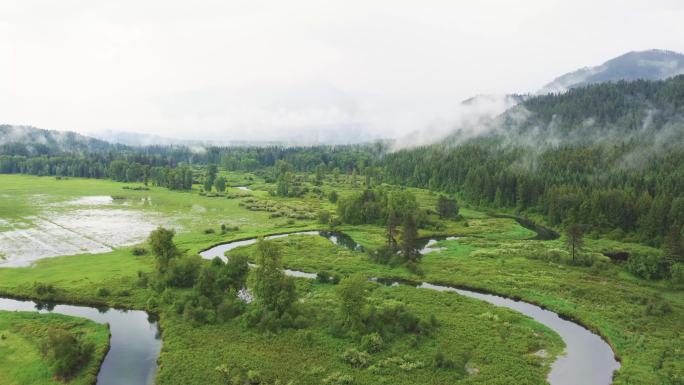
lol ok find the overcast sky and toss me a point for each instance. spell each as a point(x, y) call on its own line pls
point(258, 70)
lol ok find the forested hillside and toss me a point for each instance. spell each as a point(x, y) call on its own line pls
point(608, 156)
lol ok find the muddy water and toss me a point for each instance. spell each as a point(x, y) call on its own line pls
point(587, 359)
point(134, 345)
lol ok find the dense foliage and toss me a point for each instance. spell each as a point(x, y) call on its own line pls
point(66, 352)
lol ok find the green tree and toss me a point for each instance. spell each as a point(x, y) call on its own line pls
point(574, 239)
point(208, 183)
point(336, 174)
point(284, 183)
point(320, 174)
point(212, 170)
point(332, 197)
point(673, 249)
point(409, 238)
point(352, 294)
point(161, 243)
point(220, 184)
point(273, 289)
point(447, 208)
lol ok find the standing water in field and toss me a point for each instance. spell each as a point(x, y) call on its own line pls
point(88, 224)
point(134, 344)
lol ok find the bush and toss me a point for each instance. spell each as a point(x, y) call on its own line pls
point(183, 271)
point(43, 289)
point(138, 250)
point(66, 352)
point(103, 292)
point(209, 231)
point(225, 228)
point(372, 343)
point(658, 308)
point(356, 358)
point(324, 217)
point(323, 277)
point(338, 378)
point(143, 279)
point(677, 273)
point(229, 309)
point(442, 362)
point(648, 266)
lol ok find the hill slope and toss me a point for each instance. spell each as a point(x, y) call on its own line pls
point(31, 141)
point(646, 65)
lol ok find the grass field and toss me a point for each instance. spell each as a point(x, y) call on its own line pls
point(21, 362)
point(491, 255)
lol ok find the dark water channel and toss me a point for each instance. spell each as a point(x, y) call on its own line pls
point(134, 345)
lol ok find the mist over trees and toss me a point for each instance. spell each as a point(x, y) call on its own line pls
point(607, 157)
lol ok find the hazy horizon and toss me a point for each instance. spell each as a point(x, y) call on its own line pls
point(257, 71)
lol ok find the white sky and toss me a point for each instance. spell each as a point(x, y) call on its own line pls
point(258, 70)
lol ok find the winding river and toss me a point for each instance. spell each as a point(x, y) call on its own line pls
point(135, 338)
point(587, 360)
point(134, 343)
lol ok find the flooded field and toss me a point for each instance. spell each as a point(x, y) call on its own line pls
point(89, 224)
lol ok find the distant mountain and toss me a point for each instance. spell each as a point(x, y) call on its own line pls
point(645, 65)
point(642, 111)
point(27, 140)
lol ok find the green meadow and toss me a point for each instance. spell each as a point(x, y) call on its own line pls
point(21, 361)
point(640, 319)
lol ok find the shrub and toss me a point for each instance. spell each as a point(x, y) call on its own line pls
point(324, 217)
point(229, 309)
point(43, 289)
point(338, 378)
point(657, 307)
point(143, 279)
point(677, 273)
point(323, 277)
point(442, 362)
point(209, 231)
point(182, 272)
point(152, 304)
point(372, 343)
point(139, 250)
point(356, 358)
point(103, 292)
point(66, 352)
point(648, 266)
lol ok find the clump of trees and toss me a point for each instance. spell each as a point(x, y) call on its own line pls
point(275, 293)
point(447, 208)
point(398, 211)
point(215, 287)
point(66, 352)
point(375, 324)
